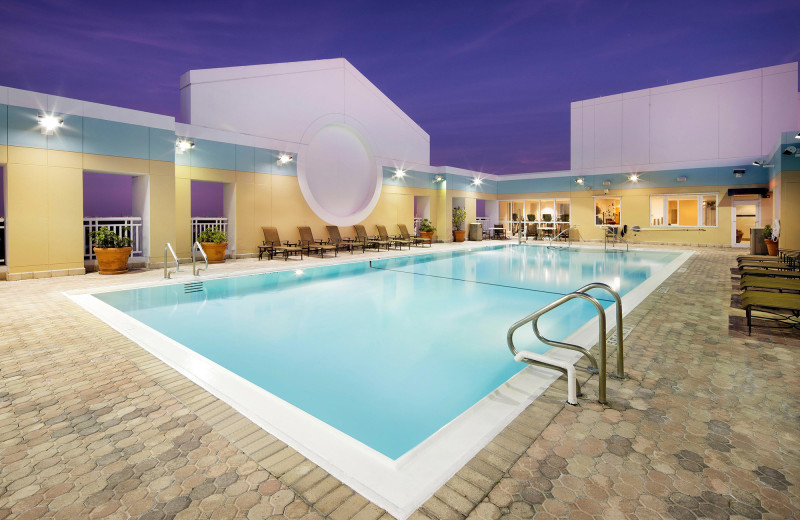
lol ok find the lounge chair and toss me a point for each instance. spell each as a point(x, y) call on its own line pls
point(309, 244)
point(766, 282)
point(414, 240)
point(273, 241)
point(398, 241)
point(763, 264)
point(342, 243)
point(772, 302)
point(758, 271)
point(361, 235)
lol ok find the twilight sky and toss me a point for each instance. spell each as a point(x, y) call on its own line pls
point(491, 82)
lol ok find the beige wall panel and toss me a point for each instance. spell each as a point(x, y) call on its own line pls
point(245, 215)
point(183, 218)
point(162, 215)
point(109, 164)
point(182, 172)
point(64, 159)
point(32, 156)
point(212, 175)
point(3, 154)
point(262, 207)
point(65, 216)
point(162, 168)
point(27, 216)
point(790, 210)
point(289, 210)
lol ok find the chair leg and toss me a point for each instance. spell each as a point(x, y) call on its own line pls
point(749, 324)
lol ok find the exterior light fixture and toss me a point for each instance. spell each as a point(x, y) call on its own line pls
point(476, 181)
point(792, 150)
point(399, 174)
point(682, 178)
point(579, 180)
point(738, 172)
point(797, 136)
point(606, 183)
point(634, 177)
point(758, 163)
point(49, 123)
point(438, 178)
point(181, 145)
point(284, 158)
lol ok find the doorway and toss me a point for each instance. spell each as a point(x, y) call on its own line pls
point(746, 215)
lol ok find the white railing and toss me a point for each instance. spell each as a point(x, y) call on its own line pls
point(117, 225)
point(2, 241)
point(201, 223)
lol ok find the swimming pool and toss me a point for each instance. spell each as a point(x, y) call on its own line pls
point(391, 351)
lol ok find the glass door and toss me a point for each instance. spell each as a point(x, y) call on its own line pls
point(746, 214)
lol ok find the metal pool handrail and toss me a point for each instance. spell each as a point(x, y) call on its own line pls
point(196, 270)
point(533, 319)
point(167, 273)
point(569, 236)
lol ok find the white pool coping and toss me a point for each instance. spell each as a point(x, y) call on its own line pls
point(400, 486)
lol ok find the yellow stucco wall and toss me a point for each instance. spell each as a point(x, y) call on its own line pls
point(790, 209)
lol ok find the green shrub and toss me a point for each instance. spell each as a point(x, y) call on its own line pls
point(459, 216)
point(104, 238)
point(213, 234)
point(426, 226)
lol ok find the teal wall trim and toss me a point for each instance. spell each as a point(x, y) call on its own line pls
point(23, 129)
point(103, 137)
point(4, 124)
point(412, 179)
point(716, 176)
point(162, 145)
point(245, 158)
point(461, 183)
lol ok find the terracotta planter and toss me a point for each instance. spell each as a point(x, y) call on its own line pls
point(112, 260)
point(215, 252)
point(772, 247)
point(458, 236)
point(427, 234)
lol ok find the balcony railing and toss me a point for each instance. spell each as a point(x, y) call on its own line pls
point(2, 241)
point(117, 225)
point(201, 223)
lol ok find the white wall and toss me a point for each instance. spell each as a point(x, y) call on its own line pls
point(282, 101)
point(727, 119)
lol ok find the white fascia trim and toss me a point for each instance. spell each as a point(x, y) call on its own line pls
point(70, 106)
point(224, 136)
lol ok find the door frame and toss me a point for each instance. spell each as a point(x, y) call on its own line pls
point(756, 200)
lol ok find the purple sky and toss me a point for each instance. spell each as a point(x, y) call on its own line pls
point(491, 82)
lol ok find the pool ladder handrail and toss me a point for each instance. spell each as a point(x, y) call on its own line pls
point(569, 237)
point(196, 270)
point(533, 319)
point(615, 237)
point(167, 272)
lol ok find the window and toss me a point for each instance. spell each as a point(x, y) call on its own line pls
point(683, 210)
point(562, 210)
point(607, 211)
point(539, 211)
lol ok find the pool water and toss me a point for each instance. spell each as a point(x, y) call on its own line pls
point(387, 352)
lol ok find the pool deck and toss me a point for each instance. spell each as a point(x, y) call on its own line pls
point(93, 426)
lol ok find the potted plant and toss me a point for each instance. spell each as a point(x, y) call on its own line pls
point(112, 251)
point(426, 229)
point(772, 242)
point(459, 216)
point(214, 241)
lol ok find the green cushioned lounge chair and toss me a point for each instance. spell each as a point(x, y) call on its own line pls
point(766, 282)
point(772, 302)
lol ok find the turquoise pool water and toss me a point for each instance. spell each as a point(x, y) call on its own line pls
point(387, 353)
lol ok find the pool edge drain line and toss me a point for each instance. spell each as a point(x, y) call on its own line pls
point(475, 281)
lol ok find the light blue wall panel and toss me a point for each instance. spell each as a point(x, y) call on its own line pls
point(162, 145)
point(4, 124)
point(245, 158)
point(289, 168)
point(263, 160)
point(212, 154)
point(412, 179)
point(68, 138)
point(117, 139)
point(23, 129)
point(535, 185)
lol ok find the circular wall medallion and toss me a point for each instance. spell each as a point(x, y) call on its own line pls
point(338, 174)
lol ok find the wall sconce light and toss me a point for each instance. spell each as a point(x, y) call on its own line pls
point(792, 150)
point(761, 163)
point(284, 158)
point(438, 178)
point(606, 183)
point(476, 181)
point(682, 178)
point(399, 174)
point(634, 177)
point(49, 123)
point(738, 172)
point(181, 145)
point(579, 180)
point(797, 136)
